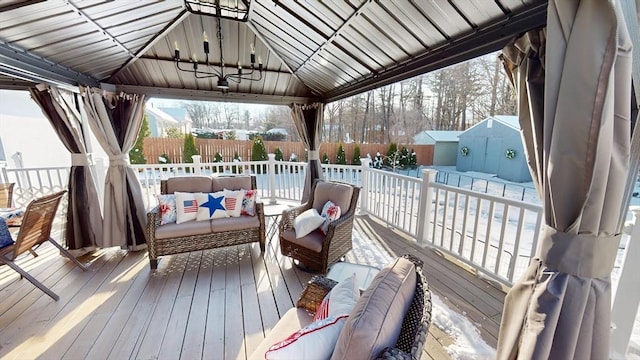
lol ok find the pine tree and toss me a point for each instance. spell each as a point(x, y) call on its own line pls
point(341, 157)
point(279, 155)
point(391, 159)
point(259, 153)
point(413, 160)
point(325, 158)
point(164, 158)
point(136, 154)
point(189, 149)
point(216, 159)
point(356, 155)
point(404, 157)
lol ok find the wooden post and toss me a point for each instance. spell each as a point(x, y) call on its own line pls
point(364, 192)
point(272, 178)
point(197, 165)
point(424, 206)
point(627, 297)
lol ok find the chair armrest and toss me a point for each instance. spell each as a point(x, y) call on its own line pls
point(154, 218)
point(393, 354)
point(289, 215)
point(314, 292)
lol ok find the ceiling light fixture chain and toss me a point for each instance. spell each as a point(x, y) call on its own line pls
point(209, 70)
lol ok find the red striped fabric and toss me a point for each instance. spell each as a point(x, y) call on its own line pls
point(190, 206)
point(323, 310)
point(230, 203)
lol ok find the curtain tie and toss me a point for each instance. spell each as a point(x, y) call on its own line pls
point(82, 159)
point(314, 155)
point(119, 160)
point(579, 254)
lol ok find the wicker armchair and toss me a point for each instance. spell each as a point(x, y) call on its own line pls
point(337, 241)
point(34, 231)
point(6, 194)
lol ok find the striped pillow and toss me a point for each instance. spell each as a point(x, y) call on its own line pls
point(340, 300)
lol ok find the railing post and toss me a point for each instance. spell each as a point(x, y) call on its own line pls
point(4, 177)
point(197, 167)
point(424, 206)
point(364, 192)
point(272, 178)
point(627, 297)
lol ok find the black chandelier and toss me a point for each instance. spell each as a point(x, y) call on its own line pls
point(209, 70)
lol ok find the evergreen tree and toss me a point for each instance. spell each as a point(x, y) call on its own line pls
point(279, 155)
point(404, 157)
point(189, 149)
point(164, 158)
point(356, 155)
point(325, 158)
point(136, 155)
point(216, 159)
point(391, 159)
point(413, 160)
point(259, 153)
point(341, 157)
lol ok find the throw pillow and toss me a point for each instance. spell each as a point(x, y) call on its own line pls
point(315, 341)
point(211, 206)
point(167, 204)
point(233, 202)
point(5, 235)
point(306, 222)
point(249, 202)
point(330, 212)
point(186, 207)
point(340, 300)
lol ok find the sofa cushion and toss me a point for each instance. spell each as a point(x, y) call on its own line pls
point(211, 206)
point(306, 222)
point(231, 224)
point(292, 321)
point(190, 184)
point(186, 207)
point(316, 341)
point(376, 320)
point(188, 228)
point(312, 241)
point(231, 183)
point(339, 194)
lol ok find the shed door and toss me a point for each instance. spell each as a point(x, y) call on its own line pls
point(479, 153)
point(494, 155)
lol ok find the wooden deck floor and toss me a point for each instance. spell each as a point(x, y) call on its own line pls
point(216, 304)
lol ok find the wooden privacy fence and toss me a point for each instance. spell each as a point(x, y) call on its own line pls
point(154, 147)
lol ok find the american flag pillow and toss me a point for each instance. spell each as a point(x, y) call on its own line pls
point(340, 300)
point(233, 202)
point(186, 207)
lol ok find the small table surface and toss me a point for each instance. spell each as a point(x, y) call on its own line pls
point(364, 273)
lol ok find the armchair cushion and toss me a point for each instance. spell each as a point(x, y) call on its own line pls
point(311, 241)
point(307, 222)
point(5, 235)
point(381, 308)
point(339, 194)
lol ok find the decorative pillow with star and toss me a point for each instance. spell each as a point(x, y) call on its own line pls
point(211, 206)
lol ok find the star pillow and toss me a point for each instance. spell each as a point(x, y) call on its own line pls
point(211, 206)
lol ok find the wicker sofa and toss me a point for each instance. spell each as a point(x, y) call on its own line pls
point(169, 239)
point(390, 320)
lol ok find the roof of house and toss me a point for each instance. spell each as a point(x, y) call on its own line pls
point(443, 135)
point(508, 120)
point(161, 115)
point(177, 113)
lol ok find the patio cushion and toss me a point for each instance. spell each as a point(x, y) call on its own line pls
point(312, 241)
point(232, 224)
point(5, 235)
point(189, 184)
point(306, 222)
point(292, 321)
point(211, 206)
point(339, 194)
point(186, 207)
point(233, 202)
point(313, 342)
point(231, 183)
point(167, 204)
point(376, 320)
point(340, 300)
point(188, 228)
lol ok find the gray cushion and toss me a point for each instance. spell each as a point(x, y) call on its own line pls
point(234, 223)
point(189, 184)
point(188, 228)
point(312, 241)
point(231, 183)
point(376, 320)
point(339, 194)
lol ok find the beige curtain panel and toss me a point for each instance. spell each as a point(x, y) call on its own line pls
point(308, 120)
point(116, 120)
point(83, 228)
point(574, 85)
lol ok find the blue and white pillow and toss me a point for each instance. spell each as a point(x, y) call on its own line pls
point(5, 235)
